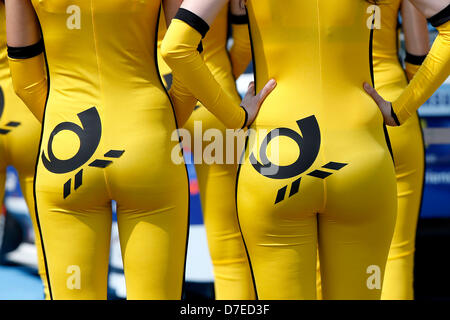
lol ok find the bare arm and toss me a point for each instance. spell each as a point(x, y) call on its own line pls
point(170, 9)
point(22, 28)
point(417, 42)
point(415, 29)
point(205, 9)
point(430, 7)
point(237, 7)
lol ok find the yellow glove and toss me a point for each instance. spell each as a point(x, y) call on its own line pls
point(29, 76)
point(180, 50)
point(433, 72)
point(241, 51)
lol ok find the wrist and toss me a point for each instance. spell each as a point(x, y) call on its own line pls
point(245, 117)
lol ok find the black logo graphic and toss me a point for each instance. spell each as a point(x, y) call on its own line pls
point(89, 134)
point(11, 124)
point(309, 146)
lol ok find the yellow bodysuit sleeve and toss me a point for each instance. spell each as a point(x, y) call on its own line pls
point(241, 50)
point(29, 77)
point(411, 69)
point(412, 64)
point(180, 50)
point(183, 100)
point(433, 72)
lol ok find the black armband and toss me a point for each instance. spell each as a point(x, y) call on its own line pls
point(246, 117)
point(413, 59)
point(193, 20)
point(26, 52)
point(238, 19)
point(440, 18)
point(394, 116)
point(200, 47)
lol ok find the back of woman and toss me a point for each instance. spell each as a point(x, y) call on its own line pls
point(407, 141)
point(319, 168)
point(107, 136)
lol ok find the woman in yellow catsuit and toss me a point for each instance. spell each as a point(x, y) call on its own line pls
point(406, 140)
point(19, 140)
point(232, 277)
point(107, 128)
point(317, 167)
point(107, 125)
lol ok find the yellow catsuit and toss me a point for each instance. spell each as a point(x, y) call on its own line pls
point(19, 141)
point(409, 158)
point(316, 154)
point(107, 136)
point(318, 168)
point(217, 181)
point(317, 157)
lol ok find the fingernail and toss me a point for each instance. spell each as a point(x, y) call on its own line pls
point(272, 82)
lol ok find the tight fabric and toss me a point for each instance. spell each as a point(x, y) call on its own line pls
point(433, 72)
point(19, 141)
point(217, 181)
point(408, 149)
point(106, 136)
point(317, 172)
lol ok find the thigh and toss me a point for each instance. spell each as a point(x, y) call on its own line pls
point(27, 185)
point(153, 221)
point(232, 274)
point(75, 242)
point(153, 239)
point(408, 149)
point(407, 145)
point(356, 227)
point(281, 237)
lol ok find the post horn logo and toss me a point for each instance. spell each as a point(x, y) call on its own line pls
point(89, 134)
point(309, 146)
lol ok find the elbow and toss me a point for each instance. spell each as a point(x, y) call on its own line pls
point(167, 50)
point(29, 81)
point(175, 53)
point(180, 44)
